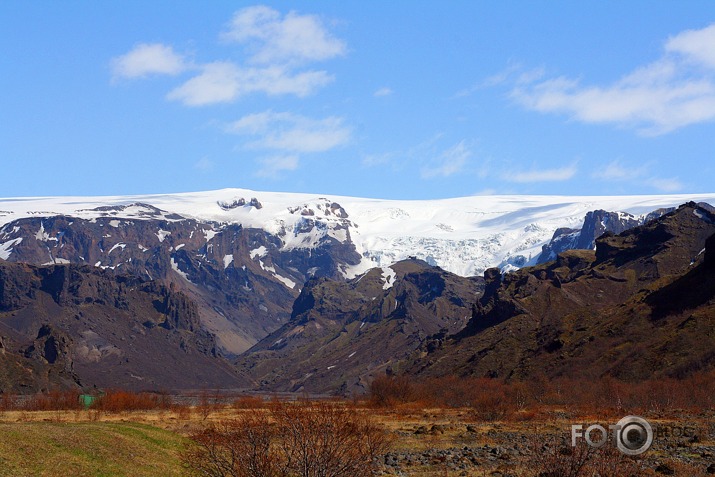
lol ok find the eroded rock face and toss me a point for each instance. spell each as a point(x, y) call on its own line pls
point(640, 306)
point(595, 224)
point(341, 334)
point(710, 252)
point(80, 325)
point(242, 280)
point(16, 287)
point(51, 346)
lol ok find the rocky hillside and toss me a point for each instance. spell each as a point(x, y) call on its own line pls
point(67, 326)
point(595, 224)
point(243, 280)
point(285, 290)
point(463, 235)
point(343, 333)
point(641, 305)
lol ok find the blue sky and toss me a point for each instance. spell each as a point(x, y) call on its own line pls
point(399, 99)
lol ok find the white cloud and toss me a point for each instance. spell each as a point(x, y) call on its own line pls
point(448, 163)
point(274, 38)
point(224, 82)
point(544, 175)
point(383, 92)
point(147, 59)
point(217, 83)
point(615, 171)
point(430, 156)
point(514, 73)
point(276, 81)
point(279, 46)
point(639, 176)
point(291, 132)
point(272, 166)
point(696, 45)
point(675, 91)
point(204, 164)
point(665, 184)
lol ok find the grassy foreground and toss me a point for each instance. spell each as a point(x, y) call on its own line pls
point(428, 441)
point(88, 449)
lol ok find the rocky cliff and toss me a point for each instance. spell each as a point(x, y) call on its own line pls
point(243, 280)
point(341, 334)
point(641, 305)
point(69, 325)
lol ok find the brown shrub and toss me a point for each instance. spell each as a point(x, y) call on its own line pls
point(124, 401)
point(209, 402)
point(248, 402)
point(559, 459)
point(498, 399)
point(388, 391)
point(53, 401)
point(8, 402)
point(182, 411)
point(289, 439)
point(240, 447)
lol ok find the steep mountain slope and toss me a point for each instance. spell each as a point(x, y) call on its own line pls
point(242, 279)
point(289, 276)
point(641, 305)
point(342, 333)
point(463, 235)
point(66, 325)
point(595, 224)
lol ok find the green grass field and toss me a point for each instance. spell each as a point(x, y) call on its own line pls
point(88, 449)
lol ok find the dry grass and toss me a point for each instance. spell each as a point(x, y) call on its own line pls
point(41, 448)
point(95, 442)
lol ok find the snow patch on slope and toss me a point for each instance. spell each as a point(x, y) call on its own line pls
point(388, 277)
point(6, 248)
point(209, 234)
point(42, 235)
point(463, 235)
point(259, 252)
point(175, 267)
point(162, 234)
point(119, 245)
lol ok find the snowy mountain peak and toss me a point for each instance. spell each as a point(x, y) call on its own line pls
point(462, 235)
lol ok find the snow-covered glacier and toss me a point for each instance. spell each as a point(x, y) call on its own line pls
point(463, 235)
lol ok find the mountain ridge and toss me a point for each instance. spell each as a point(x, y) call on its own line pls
point(640, 305)
point(282, 291)
point(462, 235)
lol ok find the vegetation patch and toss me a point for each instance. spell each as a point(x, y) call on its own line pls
point(88, 449)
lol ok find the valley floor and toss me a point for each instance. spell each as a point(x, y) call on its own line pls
point(427, 442)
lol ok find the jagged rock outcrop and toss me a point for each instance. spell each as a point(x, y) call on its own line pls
point(493, 306)
point(70, 325)
point(51, 346)
point(341, 334)
point(243, 280)
point(595, 224)
point(641, 305)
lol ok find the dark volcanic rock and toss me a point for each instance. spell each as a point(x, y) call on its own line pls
point(51, 345)
point(343, 333)
point(641, 306)
point(83, 325)
point(710, 252)
point(244, 280)
point(493, 307)
point(595, 224)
